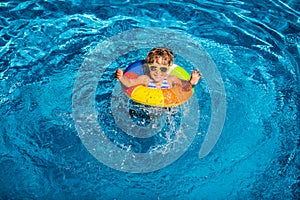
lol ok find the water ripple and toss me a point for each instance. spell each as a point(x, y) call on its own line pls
point(255, 46)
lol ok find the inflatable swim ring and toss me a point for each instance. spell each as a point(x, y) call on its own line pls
point(156, 97)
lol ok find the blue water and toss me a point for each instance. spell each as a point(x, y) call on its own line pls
point(46, 45)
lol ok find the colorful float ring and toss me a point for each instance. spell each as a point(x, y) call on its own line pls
point(156, 97)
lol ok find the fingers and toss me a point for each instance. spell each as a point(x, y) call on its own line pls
point(119, 74)
point(200, 75)
point(197, 74)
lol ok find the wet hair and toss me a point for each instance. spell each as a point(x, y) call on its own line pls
point(160, 52)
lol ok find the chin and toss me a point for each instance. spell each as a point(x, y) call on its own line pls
point(157, 80)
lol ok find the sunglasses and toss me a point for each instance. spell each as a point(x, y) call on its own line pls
point(155, 68)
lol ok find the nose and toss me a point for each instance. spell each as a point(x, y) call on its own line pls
point(156, 71)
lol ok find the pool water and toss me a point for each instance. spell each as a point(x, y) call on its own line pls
point(68, 132)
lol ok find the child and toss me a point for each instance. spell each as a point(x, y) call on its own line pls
point(158, 61)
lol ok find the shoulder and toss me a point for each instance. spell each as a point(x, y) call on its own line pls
point(144, 79)
point(173, 79)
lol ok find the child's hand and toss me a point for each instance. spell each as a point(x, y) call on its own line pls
point(196, 75)
point(119, 74)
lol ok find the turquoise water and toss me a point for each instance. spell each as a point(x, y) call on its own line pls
point(59, 99)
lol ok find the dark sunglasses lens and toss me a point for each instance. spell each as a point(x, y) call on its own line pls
point(163, 69)
point(153, 68)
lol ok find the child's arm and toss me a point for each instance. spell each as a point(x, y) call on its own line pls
point(143, 79)
point(187, 85)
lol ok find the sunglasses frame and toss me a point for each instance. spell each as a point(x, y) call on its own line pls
point(154, 68)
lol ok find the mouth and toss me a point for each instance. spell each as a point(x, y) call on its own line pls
point(157, 76)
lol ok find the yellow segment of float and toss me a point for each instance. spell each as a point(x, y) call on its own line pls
point(149, 96)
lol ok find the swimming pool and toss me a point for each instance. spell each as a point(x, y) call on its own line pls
point(65, 128)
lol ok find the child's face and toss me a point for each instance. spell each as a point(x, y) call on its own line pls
point(158, 71)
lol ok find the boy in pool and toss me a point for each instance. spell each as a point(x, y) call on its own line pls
point(159, 60)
